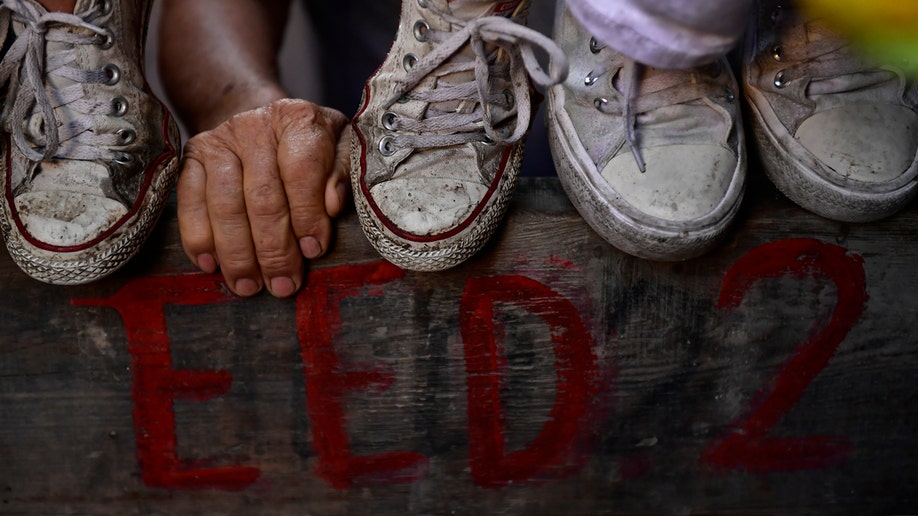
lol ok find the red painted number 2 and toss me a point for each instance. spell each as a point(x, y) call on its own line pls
point(746, 444)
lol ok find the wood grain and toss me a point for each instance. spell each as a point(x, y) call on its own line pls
point(550, 374)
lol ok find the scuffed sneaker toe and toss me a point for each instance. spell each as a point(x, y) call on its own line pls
point(66, 219)
point(682, 183)
point(873, 143)
point(427, 207)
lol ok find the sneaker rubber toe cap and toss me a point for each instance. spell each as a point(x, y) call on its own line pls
point(682, 182)
point(67, 219)
point(869, 143)
point(427, 206)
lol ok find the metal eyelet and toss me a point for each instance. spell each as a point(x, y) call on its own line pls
point(729, 95)
point(486, 140)
point(385, 146)
point(119, 106)
point(126, 136)
point(776, 52)
point(112, 74)
point(124, 158)
point(595, 46)
point(409, 61)
point(422, 4)
point(105, 7)
point(388, 120)
point(780, 80)
point(107, 41)
point(420, 30)
point(590, 79)
point(600, 102)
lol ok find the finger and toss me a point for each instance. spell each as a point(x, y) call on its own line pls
point(306, 159)
point(268, 213)
point(230, 225)
point(338, 187)
point(194, 221)
point(305, 162)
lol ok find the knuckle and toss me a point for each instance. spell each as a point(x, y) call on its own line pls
point(227, 139)
point(275, 260)
point(231, 231)
point(225, 209)
point(203, 145)
point(310, 223)
point(266, 202)
point(237, 262)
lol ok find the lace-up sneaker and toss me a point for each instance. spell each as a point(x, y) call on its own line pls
point(837, 135)
point(439, 135)
point(654, 160)
point(89, 156)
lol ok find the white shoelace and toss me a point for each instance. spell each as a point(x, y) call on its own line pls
point(65, 137)
point(661, 88)
point(508, 41)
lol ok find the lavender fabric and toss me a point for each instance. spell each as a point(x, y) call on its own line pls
point(666, 33)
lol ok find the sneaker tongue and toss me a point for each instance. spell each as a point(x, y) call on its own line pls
point(471, 10)
point(55, 47)
point(817, 31)
point(863, 81)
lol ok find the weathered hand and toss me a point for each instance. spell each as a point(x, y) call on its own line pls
point(257, 193)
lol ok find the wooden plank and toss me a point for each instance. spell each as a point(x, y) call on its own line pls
point(549, 374)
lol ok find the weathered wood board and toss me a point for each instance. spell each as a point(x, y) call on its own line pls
point(551, 374)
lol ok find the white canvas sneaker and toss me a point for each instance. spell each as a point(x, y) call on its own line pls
point(837, 134)
point(89, 155)
point(653, 159)
point(439, 135)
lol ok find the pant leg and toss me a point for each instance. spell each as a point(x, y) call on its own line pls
point(666, 33)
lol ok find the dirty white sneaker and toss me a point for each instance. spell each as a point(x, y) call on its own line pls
point(654, 160)
point(88, 155)
point(439, 135)
point(837, 135)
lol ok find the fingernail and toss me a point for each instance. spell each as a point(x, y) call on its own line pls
point(310, 247)
point(282, 287)
point(207, 263)
point(247, 287)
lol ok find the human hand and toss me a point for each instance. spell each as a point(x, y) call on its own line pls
point(257, 193)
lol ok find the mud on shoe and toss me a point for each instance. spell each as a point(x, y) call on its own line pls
point(837, 134)
point(89, 156)
point(439, 134)
point(654, 160)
